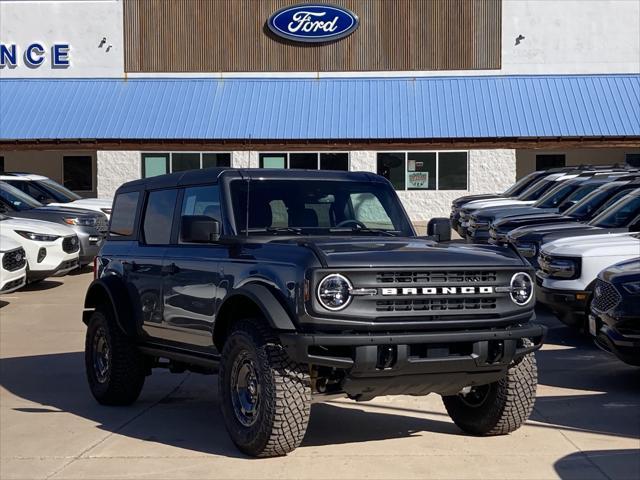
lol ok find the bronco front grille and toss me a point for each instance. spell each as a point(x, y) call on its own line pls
point(102, 225)
point(444, 277)
point(605, 296)
point(436, 304)
point(70, 244)
point(14, 260)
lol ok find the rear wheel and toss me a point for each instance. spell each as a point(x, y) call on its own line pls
point(500, 407)
point(266, 397)
point(114, 366)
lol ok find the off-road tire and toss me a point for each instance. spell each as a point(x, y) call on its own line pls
point(284, 401)
point(126, 365)
point(508, 403)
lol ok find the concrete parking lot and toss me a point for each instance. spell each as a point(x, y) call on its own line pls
point(586, 423)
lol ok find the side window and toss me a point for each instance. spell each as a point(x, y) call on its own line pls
point(204, 200)
point(158, 217)
point(368, 210)
point(124, 214)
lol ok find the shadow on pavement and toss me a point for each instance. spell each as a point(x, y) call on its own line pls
point(186, 418)
point(618, 464)
point(41, 285)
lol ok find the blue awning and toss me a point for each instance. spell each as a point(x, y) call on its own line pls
point(321, 109)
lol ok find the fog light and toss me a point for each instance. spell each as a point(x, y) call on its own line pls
point(42, 253)
point(93, 239)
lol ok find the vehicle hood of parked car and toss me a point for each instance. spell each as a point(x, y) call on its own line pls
point(608, 244)
point(462, 201)
point(626, 271)
point(498, 202)
point(533, 232)
point(63, 210)
point(530, 220)
point(7, 244)
point(409, 252)
point(498, 213)
point(94, 202)
point(35, 226)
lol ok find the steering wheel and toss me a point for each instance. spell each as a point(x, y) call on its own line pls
point(346, 223)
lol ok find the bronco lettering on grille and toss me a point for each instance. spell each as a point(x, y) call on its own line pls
point(437, 291)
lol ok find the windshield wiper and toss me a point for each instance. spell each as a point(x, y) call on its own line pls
point(295, 230)
point(359, 229)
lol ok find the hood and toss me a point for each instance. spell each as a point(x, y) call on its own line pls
point(35, 226)
point(410, 252)
point(67, 212)
point(94, 202)
point(532, 232)
point(460, 201)
point(7, 244)
point(608, 244)
point(500, 202)
point(528, 220)
point(509, 211)
point(627, 271)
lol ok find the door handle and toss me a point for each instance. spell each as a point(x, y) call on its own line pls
point(170, 269)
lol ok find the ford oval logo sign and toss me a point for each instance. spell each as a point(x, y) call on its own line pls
point(313, 23)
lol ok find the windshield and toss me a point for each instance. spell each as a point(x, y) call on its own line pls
point(521, 185)
point(64, 194)
point(555, 196)
point(16, 199)
point(535, 191)
point(317, 207)
point(619, 214)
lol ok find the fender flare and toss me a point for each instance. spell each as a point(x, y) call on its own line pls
point(112, 289)
point(273, 311)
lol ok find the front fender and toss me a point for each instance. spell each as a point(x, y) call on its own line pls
point(112, 291)
point(273, 311)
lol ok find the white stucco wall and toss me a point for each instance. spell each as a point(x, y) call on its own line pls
point(81, 24)
point(115, 168)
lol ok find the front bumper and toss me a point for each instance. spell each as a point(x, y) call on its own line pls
point(61, 269)
point(570, 305)
point(90, 242)
point(11, 281)
point(606, 331)
point(415, 363)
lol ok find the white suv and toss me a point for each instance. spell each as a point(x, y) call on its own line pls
point(50, 192)
point(569, 267)
point(13, 265)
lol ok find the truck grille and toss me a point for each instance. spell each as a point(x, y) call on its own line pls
point(436, 305)
point(102, 225)
point(605, 296)
point(446, 277)
point(14, 260)
point(70, 244)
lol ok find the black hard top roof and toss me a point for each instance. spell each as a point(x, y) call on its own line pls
point(212, 175)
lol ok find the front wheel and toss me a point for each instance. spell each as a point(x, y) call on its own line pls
point(500, 407)
point(266, 398)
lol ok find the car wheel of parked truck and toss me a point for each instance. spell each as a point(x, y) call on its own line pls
point(114, 365)
point(500, 407)
point(265, 397)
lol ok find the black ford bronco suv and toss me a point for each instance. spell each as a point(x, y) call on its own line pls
point(296, 286)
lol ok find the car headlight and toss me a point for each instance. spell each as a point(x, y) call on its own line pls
point(81, 221)
point(37, 237)
point(528, 250)
point(106, 211)
point(521, 288)
point(333, 292)
point(561, 268)
point(632, 287)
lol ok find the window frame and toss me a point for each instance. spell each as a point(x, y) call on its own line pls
point(170, 154)
point(406, 153)
point(318, 153)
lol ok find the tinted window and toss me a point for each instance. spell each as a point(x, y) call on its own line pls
point(32, 189)
point(16, 198)
point(185, 161)
point(210, 160)
point(391, 167)
point(544, 162)
point(307, 161)
point(158, 217)
point(521, 185)
point(619, 215)
point(555, 196)
point(77, 173)
point(452, 171)
point(334, 161)
point(203, 200)
point(124, 214)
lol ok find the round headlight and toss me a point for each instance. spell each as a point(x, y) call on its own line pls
point(521, 288)
point(333, 292)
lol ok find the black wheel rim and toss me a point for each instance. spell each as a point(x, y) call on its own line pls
point(245, 389)
point(476, 397)
point(101, 355)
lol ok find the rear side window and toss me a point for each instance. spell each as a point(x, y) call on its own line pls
point(158, 217)
point(124, 214)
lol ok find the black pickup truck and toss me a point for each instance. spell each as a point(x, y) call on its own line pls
point(296, 286)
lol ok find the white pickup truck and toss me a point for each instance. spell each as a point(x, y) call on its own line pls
point(569, 267)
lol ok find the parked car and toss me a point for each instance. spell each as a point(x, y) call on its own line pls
point(555, 200)
point(620, 217)
point(569, 267)
point(51, 249)
point(615, 310)
point(13, 265)
point(298, 284)
point(90, 226)
point(583, 211)
point(49, 192)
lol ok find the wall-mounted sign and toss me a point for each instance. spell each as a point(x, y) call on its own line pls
point(313, 23)
point(34, 55)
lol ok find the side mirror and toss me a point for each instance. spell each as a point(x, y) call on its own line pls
point(440, 228)
point(199, 229)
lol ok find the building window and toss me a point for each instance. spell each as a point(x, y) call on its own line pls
point(168, 162)
point(425, 170)
point(632, 159)
point(306, 160)
point(1, 164)
point(77, 173)
point(545, 162)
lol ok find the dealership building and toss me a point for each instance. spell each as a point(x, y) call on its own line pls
point(443, 97)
